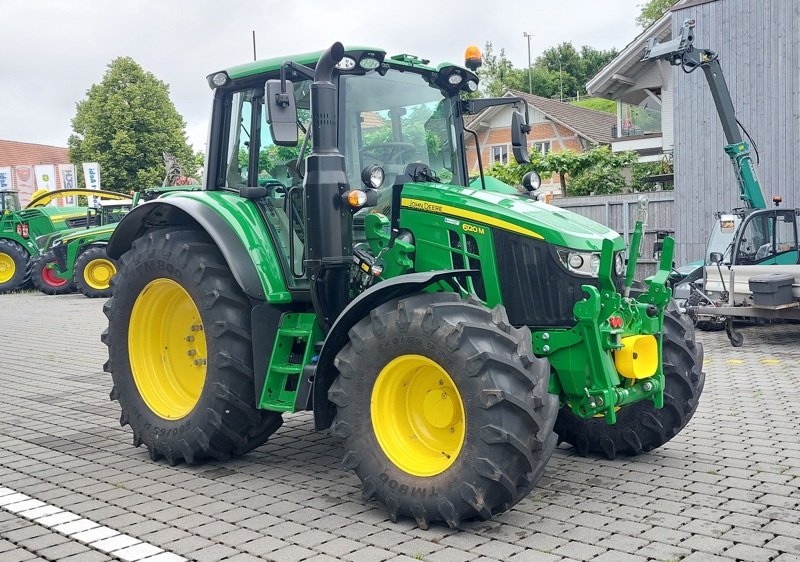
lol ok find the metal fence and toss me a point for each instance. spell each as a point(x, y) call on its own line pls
point(619, 213)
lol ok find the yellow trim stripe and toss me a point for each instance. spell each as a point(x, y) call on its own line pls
point(419, 205)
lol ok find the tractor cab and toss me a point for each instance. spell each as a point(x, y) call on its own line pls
point(9, 202)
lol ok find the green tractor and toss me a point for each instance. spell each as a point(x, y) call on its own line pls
point(19, 229)
point(77, 259)
point(450, 340)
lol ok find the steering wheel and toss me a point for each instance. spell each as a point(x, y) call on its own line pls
point(388, 152)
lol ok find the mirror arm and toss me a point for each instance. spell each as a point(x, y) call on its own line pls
point(472, 107)
point(298, 68)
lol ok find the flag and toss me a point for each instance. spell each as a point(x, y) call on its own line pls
point(91, 175)
point(25, 183)
point(68, 181)
point(6, 183)
point(46, 179)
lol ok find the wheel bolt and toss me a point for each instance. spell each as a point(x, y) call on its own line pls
point(647, 387)
point(546, 349)
point(191, 352)
point(190, 338)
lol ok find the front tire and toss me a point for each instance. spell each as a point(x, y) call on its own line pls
point(15, 265)
point(93, 272)
point(44, 278)
point(444, 411)
point(640, 427)
point(180, 351)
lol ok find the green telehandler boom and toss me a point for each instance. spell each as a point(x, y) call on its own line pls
point(450, 340)
point(758, 246)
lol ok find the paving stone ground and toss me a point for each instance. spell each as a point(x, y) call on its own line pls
point(728, 487)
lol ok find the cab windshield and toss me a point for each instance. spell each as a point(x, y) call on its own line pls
point(9, 202)
point(395, 120)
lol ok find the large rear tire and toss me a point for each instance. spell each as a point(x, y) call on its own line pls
point(443, 408)
point(640, 427)
point(180, 351)
point(15, 265)
point(44, 278)
point(93, 272)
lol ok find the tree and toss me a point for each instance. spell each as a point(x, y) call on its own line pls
point(497, 74)
point(125, 123)
point(651, 11)
point(573, 68)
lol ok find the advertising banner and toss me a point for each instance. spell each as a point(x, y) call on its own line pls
point(68, 181)
point(23, 178)
point(91, 175)
point(46, 179)
point(6, 183)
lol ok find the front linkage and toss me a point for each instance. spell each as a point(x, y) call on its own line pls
point(585, 374)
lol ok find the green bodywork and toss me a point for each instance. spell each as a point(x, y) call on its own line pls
point(583, 369)
point(25, 226)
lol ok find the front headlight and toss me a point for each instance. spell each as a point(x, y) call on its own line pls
point(580, 263)
point(588, 263)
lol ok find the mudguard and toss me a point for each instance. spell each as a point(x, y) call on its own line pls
point(232, 223)
point(324, 372)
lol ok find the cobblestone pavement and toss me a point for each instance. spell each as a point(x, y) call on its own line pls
point(728, 487)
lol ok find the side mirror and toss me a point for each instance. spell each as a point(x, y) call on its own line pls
point(281, 112)
point(519, 138)
point(715, 257)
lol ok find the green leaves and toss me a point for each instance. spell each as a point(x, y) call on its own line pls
point(594, 172)
point(652, 10)
point(125, 123)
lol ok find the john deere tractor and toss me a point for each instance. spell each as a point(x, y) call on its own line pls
point(449, 340)
point(19, 229)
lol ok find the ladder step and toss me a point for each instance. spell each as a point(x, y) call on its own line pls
point(287, 368)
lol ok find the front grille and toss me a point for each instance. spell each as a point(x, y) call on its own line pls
point(537, 290)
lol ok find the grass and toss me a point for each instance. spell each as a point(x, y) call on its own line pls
point(598, 104)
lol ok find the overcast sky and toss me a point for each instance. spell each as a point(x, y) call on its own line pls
point(51, 51)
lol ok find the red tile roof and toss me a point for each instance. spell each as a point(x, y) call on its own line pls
point(14, 153)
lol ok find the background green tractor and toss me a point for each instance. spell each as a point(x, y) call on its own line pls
point(77, 259)
point(442, 339)
point(19, 229)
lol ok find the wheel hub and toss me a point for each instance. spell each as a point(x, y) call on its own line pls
point(49, 277)
point(167, 349)
point(7, 268)
point(418, 415)
point(98, 273)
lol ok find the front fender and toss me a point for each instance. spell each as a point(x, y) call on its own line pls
point(232, 223)
point(325, 372)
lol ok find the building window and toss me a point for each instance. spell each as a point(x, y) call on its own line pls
point(500, 154)
point(542, 147)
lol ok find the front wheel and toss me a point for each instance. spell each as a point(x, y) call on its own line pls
point(444, 411)
point(180, 351)
point(93, 272)
point(43, 276)
point(640, 427)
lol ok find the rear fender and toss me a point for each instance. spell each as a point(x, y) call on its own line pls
point(325, 372)
point(232, 223)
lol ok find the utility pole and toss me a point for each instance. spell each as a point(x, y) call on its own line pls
point(530, 79)
point(254, 45)
point(560, 78)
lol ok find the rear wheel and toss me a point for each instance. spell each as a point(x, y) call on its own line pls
point(14, 266)
point(93, 272)
point(444, 410)
point(44, 278)
point(180, 351)
point(640, 427)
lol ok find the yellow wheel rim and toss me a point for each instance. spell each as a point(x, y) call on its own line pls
point(417, 415)
point(167, 349)
point(98, 273)
point(7, 268)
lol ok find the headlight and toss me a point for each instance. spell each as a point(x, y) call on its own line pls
point(369, 63)
point(580, 263)
point(455, 79)
point(347, 63)
point(619, 264)
point(219, 79)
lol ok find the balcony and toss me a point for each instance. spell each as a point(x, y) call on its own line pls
point(636, 121)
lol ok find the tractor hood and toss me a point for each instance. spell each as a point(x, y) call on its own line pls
point(517, 213)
